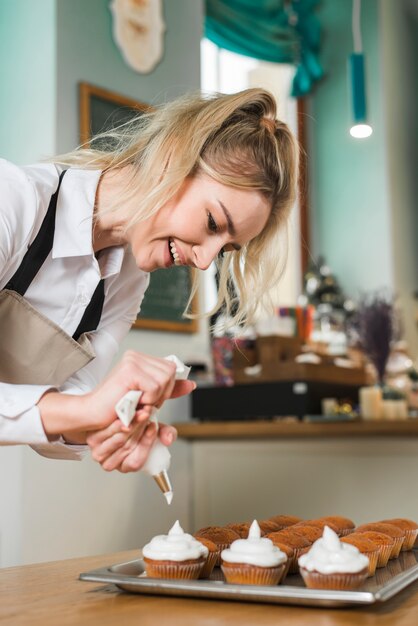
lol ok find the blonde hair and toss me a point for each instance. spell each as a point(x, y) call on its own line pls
point(237, 140)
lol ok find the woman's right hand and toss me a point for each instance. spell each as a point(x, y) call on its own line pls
point(155, 377)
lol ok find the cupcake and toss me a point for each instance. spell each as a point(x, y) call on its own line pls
point(242, 528)
point(289, 552)
point(311, 533)
point(396, 533)
point(222, 536)
point(344, 525)
point(212, 557)
point(409, 527)
point(317, 523)
point(366, 547)
point(331, 564)
point(253, 561)
point(176, 555)
point(384, 543)
point(283, 521)
point(299, 545)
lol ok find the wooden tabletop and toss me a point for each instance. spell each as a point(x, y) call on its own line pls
point(50, 594)
point(282, 429)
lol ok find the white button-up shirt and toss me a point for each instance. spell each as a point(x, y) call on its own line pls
point(63, 287)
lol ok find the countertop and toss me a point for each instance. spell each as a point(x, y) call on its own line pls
point(50, 594)
point(283, 429)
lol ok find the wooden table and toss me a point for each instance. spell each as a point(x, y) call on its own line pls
point(50, 594)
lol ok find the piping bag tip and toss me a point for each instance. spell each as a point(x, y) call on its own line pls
point(164, 484)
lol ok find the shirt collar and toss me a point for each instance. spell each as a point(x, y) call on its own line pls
point(74, 221)
point(74, 217)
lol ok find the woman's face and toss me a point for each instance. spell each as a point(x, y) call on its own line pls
point(203, 219)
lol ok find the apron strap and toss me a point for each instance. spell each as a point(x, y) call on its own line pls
point(36, 256)
point(93, 312)
point(38, 250)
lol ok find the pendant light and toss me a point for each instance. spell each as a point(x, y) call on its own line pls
point(360, 129)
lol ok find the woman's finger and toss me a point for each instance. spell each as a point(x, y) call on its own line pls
point(98, 436)
point(117, 446)
point(167, 434)
point(136, 459)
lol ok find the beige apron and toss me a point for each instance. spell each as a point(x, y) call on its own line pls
point(33, 349)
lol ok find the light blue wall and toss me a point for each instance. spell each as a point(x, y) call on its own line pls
point(350, 198)
point(27, 79)
point(48, 46)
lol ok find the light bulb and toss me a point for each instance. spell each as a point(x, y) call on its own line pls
point(361, 131)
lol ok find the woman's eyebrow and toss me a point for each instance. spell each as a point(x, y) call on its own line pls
point(231, 227)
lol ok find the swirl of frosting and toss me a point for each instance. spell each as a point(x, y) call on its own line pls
point(176, 546)
point(255, 550)
point(328, 555)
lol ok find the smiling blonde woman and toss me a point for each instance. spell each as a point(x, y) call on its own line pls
point(200, 179)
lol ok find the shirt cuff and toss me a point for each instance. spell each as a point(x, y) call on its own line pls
point(16, 399)
point(25, 428)
point(61, 450)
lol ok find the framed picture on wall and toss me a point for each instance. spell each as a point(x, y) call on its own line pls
point(168, 292)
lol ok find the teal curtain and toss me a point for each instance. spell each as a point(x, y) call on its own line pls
point(279, 31)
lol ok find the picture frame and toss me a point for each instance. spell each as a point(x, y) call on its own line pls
point(168, 293)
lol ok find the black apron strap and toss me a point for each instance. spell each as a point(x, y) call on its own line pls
point(39, 249)
point(93, 312)
point(35, 258)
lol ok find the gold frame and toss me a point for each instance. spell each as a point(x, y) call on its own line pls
point(86, 92)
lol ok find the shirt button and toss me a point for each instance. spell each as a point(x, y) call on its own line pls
point(83, 299)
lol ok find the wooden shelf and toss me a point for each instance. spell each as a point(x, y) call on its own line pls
point(270, 429)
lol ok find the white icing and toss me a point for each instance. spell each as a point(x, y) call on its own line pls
point(328, 555)
point(176, 546)
point(255, 550)
point(158, 460)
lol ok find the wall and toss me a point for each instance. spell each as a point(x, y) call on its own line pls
point(399, 30)
point(351, 211)
point(363, 192)
point(56, 509)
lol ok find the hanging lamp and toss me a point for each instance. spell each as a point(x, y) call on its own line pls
point(360, 128)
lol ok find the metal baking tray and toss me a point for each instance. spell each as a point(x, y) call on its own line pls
point(387, 582)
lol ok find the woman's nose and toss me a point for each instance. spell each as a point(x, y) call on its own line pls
point(206, 253)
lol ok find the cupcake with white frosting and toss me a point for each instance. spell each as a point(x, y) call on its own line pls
point(176, 555)
point(253, 561)
point(331, 564)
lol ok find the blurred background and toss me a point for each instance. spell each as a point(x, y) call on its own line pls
point(353, 244)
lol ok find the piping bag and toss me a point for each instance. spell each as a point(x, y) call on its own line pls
point(158, 461)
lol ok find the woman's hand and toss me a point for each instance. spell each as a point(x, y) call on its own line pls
point(75, 415)
point(126, 449)
point(155, 377)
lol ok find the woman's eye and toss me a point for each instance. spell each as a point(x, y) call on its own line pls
point(213, 226)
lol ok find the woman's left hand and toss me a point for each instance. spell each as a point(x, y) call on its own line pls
point(126, 450)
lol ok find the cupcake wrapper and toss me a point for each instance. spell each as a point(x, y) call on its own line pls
point(373, 557)
point(396, 548)
point(384, 555)
point(340, 582)
point(188, 571)
point(217, 574)
point(410, 536)
point(253, 575)
point(286, 570)
point(294, 566)
point(221, 546)
point(209, 565)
